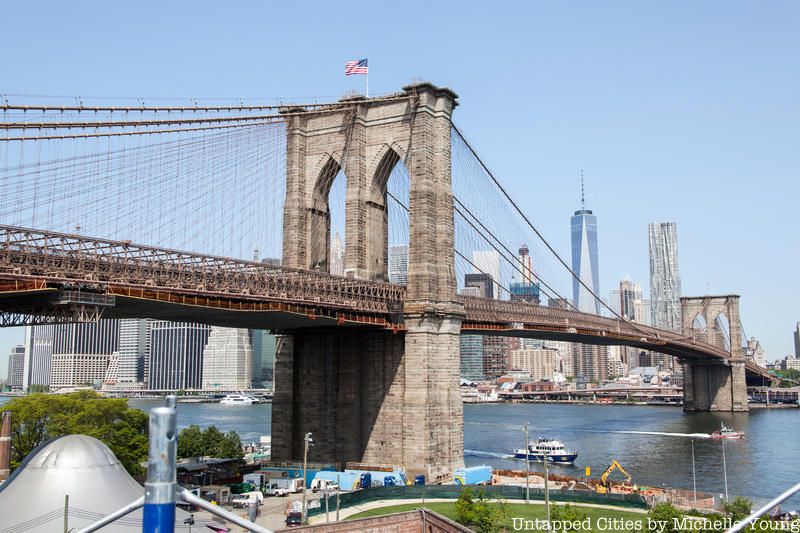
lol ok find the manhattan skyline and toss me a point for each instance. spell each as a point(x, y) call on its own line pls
point(686, 113)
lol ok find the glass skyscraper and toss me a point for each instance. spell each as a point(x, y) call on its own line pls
point(584, 260)
point(589, 362)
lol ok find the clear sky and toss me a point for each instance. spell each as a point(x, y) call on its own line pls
point(681, 111)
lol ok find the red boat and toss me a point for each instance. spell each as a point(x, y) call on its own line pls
point(726, 433)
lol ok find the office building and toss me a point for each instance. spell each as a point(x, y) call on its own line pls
point(38, 352)
point(69, 355)
point(482, 282)
point(665, 281)
point(471, 346)
point(176, 355)
point(540, 363)
point(263, 357)
point(791, 363)
point(398, 264)
point(488, 262)
point(797, 340)
point(112, 370)
point(228, 359)
point(527, 288)
point(16, 367)
point(589, 362)
point(614, 302)
point(134, 351)
point(69, 370)
point(630, 300)
point(495, 356)
point(585, 259)
point(472, 357)
point(337, 256)
point(755, 353)
point(81, 353)
point(647, 313)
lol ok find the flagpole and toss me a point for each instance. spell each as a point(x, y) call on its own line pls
point(367, 77)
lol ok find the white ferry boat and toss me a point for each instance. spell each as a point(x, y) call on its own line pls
point(238, 399)
point(549, 450)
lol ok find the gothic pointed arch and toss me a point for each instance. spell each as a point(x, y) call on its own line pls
point(319, 214)
point(377, 210)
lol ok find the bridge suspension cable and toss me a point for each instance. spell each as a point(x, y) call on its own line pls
point(515, 208)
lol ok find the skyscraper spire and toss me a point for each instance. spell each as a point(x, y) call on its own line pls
point(583, 198)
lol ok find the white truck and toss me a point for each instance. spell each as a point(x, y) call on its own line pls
point(323, 485)
point(241, 501)
point(272, 489)
point(291, 484)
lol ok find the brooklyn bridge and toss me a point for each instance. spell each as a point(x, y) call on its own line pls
point(100, 206)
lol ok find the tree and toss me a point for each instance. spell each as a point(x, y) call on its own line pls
point(480, 513)
point(465, 507)
point(666, 514)
point(190, 442)
point(36, 418)
point(739, 508)
point(194, 442)
point(566, 513)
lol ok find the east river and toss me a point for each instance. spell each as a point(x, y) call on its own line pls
point(653, 443)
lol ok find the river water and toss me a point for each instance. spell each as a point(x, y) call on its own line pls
point(653, 443)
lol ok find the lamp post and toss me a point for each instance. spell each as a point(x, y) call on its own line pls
point(307, 441)
point(527, 465)
point(547, 491)
point(724, 469)
point(694, 478)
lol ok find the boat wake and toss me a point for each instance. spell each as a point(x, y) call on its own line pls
point(481, 453)
point(664, 433)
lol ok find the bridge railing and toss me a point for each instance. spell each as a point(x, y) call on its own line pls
point(94, 262)
point(523, 314)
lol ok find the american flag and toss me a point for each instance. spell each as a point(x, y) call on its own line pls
point(358, 66)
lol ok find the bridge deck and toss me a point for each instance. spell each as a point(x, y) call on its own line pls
point(37, 267)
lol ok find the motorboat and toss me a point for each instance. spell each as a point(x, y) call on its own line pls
point(550, 450)
point(725, 432)
point(238, 399)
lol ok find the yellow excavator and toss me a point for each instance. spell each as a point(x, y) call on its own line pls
point(605, 486)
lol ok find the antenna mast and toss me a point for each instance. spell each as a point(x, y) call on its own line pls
point(583, 198)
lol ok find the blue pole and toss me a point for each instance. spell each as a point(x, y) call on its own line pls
point(159, 489)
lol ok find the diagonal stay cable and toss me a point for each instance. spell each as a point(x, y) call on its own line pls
point(538, 233)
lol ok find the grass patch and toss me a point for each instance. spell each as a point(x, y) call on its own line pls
point(515, 510)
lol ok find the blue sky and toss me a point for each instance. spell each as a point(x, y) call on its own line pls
point(684, 111)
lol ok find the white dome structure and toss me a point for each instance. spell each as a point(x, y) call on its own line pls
point(32, 499)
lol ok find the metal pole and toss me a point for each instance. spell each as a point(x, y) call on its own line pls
point(527, 466)
point(159, 489)
point(327, 516)
point(113, 516)
point(547, 492)
point(218, 510)
point(694, 478)
point(306, 441)
point(725, 469)
point(66, 513)
point(765, 509)
point(337, 502)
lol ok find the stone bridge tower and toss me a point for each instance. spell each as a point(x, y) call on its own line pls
point(718, 385)
point(367, 395)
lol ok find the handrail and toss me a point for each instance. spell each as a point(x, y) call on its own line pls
point(740, 525)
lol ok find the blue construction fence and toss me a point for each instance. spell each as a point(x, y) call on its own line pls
point(505, 492)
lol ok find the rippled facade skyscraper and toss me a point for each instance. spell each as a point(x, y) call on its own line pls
point(665, 282)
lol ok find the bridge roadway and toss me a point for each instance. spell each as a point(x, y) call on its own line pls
point(49, 277)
